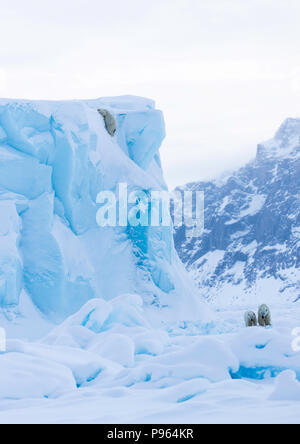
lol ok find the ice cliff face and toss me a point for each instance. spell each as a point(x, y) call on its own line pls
point(55, 157)
point(251, 244)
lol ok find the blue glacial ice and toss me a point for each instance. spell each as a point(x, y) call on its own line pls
point(55, 157)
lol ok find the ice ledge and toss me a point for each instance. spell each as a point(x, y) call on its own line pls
point(118, 103)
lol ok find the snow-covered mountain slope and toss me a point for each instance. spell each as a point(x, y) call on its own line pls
point(55, 157)
point(251, 244)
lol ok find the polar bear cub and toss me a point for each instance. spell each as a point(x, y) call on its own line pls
point(250, 319)
point(264, 315)
point(109, 120)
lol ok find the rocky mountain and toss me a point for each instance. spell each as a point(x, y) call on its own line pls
point(251, 241)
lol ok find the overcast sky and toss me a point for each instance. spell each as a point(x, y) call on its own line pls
point(226, 73)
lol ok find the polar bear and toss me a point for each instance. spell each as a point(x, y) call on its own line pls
point(109, 120)
point(250, 319)
point(264, 315)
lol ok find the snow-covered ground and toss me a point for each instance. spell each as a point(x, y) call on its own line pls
point(107, 364)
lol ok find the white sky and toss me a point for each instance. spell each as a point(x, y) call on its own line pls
point(226, 73)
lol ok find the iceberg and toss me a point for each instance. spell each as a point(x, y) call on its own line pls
point(55, 158)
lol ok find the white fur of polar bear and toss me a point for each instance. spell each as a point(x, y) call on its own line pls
point(109, 120)
point(264, 315)
point(250, 319)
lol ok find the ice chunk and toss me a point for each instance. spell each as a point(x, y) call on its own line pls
point(84, 365)
point(264, 352)
point(144, 132)
point(287, 387)
point(90, 317)
point(207, 352)
point(127, 310)
point(151, 342)
point(115, 347)
point(24, 376)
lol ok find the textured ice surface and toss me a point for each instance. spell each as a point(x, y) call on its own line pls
point(55, 157)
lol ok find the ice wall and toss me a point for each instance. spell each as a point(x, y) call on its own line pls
point(55, 157)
